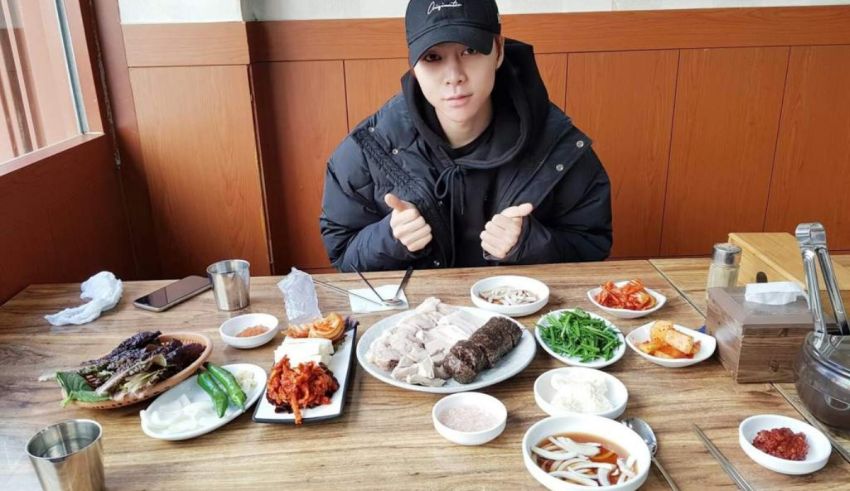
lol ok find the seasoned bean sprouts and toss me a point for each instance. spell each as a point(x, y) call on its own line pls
point(508, 295)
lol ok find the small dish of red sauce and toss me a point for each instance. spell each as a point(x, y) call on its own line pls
point(782, 443)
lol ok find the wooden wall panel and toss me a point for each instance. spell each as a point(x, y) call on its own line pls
point(301, 116)
point(624, 102)
point(350, 39)
point(724, 137)
point(553, 70)
point(196, 128)
point(61, 219)
point(371, 83)
point(811, 178)
point(215, 43)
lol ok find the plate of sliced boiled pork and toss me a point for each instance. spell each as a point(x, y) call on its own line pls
point(442, 349)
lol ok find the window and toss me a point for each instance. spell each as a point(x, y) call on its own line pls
point(39, 89)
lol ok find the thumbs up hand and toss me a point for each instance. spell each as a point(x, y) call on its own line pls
point(407, 224)
point(501, 234)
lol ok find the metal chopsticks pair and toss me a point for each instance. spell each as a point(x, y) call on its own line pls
point(392, 302)
point(723, 461)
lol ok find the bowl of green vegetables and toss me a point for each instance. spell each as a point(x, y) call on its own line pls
point(579, 338)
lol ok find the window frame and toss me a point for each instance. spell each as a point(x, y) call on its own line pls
point(82, 32)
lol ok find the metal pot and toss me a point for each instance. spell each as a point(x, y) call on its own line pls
point(823, 365)
point(823, 379)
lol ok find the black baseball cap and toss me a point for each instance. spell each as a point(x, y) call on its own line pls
point(473, 23)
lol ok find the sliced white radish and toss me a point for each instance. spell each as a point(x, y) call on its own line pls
point(183, 424)
point(195, 408)
point(602, 476)
point(575, 477)
point(551, 455)
point(588, 449)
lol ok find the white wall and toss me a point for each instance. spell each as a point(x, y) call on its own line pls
point(165, 11)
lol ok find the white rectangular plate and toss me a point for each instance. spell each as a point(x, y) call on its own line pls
point(340, 365)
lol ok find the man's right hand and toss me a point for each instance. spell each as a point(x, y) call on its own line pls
point(407, 224)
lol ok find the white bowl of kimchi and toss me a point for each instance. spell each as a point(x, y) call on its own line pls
point(627, 299)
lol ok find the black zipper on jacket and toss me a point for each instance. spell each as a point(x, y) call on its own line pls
point(403, 180)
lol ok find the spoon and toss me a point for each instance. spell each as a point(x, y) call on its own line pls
point(643, 429)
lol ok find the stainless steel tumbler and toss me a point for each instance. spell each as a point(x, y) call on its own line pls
point(68, 456)
point(231, 281)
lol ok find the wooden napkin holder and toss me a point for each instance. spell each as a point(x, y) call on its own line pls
point(755, 342)
point(777, 255)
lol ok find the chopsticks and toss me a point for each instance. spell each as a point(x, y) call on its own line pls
point(723, 461)
point(346, 292)
point(381, 302)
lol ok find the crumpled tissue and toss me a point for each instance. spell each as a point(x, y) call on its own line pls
point(103, 290)
point(775, 293)
point(299, 296)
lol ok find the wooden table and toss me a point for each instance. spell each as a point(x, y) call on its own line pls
point(689, 277)
point(385, 439)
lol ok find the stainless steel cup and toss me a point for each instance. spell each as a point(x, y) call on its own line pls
point(231, 281)
point(68, 455)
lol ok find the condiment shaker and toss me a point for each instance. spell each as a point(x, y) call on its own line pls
point(725, 263)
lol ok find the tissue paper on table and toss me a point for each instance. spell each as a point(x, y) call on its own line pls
point(299, 295)
point(360, 306)
point(103, 290)
point(776, 293)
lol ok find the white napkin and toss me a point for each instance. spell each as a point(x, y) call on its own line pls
point(776, 293)
point(103, 289)
point(360, 306)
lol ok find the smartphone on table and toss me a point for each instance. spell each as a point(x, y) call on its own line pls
point(170, 295)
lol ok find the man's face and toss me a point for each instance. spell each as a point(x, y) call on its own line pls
point(457, 80)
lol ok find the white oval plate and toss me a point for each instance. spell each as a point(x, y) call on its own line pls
point(574, 361)
point(819, 446)
point(660, 300)
point(707, 345)
point(194, 392)
point(512, 363)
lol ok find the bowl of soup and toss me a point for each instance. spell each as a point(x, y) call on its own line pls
point(576, 452)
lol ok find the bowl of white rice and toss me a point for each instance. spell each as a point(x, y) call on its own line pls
point(578, 390)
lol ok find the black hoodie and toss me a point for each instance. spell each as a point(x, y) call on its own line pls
point(531, 152)
point(520, 106)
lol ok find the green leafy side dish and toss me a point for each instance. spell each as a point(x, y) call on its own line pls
point(578, 335)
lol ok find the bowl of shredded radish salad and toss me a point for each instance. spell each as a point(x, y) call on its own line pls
point(580, 338)
point(514, 296)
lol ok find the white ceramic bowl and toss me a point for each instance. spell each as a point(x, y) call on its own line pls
point(521, 282)
point(573, 361)
point(477, 400)
point(641, 334)
point(544, 391)
point(819, 447)
point(606, 429)
point(230, 328)
point(660, 300)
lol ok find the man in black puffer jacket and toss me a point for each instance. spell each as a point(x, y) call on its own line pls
point(470, 165)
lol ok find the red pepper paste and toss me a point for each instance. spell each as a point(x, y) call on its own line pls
point(252, 331)
point(782, 443)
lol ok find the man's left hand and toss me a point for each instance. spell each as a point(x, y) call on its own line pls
point(501, 234)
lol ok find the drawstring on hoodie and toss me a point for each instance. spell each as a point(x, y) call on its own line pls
point(444, 188)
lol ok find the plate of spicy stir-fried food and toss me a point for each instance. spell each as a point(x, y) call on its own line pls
point(311, 373)
point(628, 299)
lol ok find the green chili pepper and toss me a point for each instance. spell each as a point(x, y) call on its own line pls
point(211, 387)
point(229, 383)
